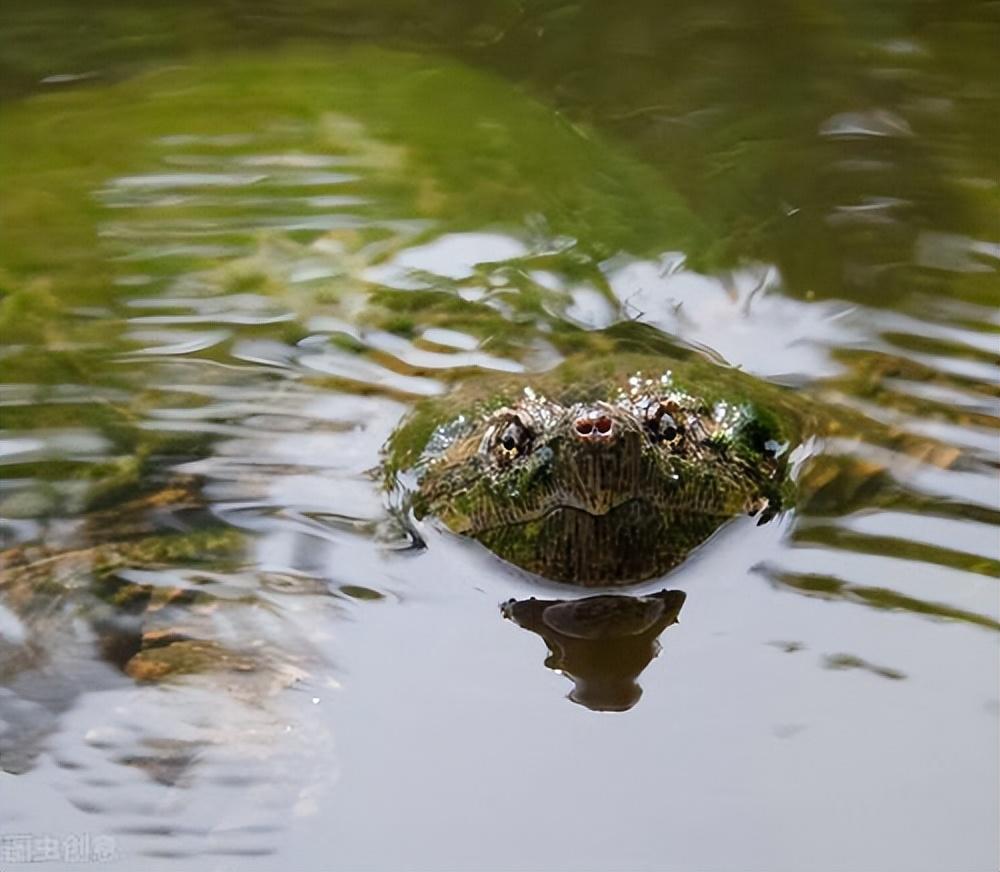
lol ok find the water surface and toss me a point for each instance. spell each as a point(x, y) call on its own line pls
point(237, 246)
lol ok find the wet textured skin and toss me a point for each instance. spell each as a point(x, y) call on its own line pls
point(601, 472)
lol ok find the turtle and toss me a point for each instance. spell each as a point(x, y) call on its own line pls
point(604, 471)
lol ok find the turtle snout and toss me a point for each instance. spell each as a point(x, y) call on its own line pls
point(595, 425)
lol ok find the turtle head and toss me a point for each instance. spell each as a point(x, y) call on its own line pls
point(607, 488)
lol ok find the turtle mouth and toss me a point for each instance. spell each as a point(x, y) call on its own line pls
point(551, 511)
point(632, 507)
point(632, 542)
point(593, 507)
point(621, 546)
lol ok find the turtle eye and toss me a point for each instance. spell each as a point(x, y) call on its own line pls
point(660, 424)
point(514, 439)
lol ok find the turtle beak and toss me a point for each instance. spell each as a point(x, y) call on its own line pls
point(606, 463)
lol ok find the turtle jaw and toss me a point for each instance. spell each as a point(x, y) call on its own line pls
point(630, 543)
point(549, 506)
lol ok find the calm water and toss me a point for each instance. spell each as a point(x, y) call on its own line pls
point(238, 243)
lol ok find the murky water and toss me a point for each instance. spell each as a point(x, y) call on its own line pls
point(238, 246)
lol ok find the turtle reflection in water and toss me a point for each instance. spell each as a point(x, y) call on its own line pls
point(602, 643)
point(599, 473)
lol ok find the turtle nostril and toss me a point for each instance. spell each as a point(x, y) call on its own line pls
point(593, 426)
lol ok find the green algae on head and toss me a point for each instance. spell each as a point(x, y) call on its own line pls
point(597, 473)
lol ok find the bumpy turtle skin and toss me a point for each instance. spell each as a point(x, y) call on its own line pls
point(513, 470)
